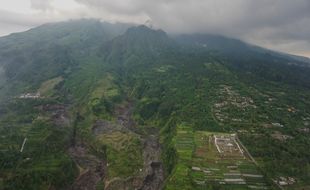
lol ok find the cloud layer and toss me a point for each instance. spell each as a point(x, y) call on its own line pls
point(282, 25)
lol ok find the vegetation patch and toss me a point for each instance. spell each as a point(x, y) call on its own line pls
point(124, 154)
point(47, 87)
point(184, 145)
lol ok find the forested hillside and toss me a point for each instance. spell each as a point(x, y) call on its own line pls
point(91, 105)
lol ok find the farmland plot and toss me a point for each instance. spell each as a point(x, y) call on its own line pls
point(219, 161)
point(213, 161)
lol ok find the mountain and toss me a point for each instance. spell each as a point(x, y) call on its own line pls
point(247, 58)
point(92, 105)
point(234, 46)
point(137, 41)
point(50, 50)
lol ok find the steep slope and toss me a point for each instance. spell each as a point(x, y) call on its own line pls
point(245, 58)
point(137, 42)
point(239, 89)
point(29, 58)
point(234, 46)
point(139, 109)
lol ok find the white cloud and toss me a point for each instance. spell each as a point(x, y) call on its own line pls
point(279, 24)
point(41, 5)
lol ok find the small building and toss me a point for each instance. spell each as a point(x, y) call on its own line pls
point(277, 125)
point(30, 95)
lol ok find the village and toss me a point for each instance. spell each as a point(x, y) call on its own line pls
point(230, 100)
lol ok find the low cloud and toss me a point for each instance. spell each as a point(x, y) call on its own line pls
point(282, 25)
point(41, 5)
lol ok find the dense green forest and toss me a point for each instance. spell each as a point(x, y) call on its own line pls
point(86, 104)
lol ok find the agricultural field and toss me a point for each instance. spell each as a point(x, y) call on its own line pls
point(213, 161)
point(124, 153)
point(36, 153)
point(273, 125)
point(184, 144)
point(220, 160)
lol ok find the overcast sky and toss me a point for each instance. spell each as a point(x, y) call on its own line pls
point(282, 25)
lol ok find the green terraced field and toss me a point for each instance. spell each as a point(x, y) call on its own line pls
point(228, 169)
point(200, 165)
point(184, 143)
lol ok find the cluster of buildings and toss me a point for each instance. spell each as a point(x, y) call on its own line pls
point(227, 145)
point(30, 96)
point(229, 167)
point(230, 98)
point(284, 181)
point(281, 137)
